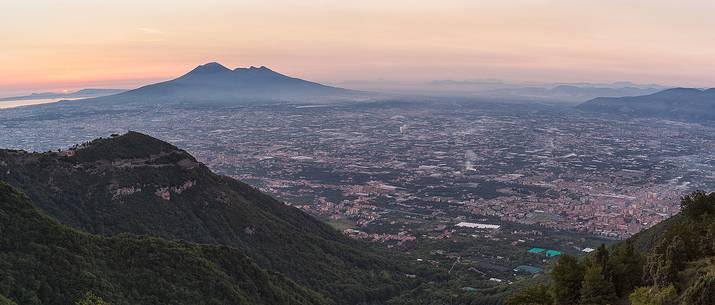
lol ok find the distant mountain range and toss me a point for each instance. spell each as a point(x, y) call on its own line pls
point(503, 90)
point(570, 92)
point(214, 83)
point(84, 93)
point(687, 104)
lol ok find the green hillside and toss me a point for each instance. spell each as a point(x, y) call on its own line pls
point(43, 262)
point(137, 184)
point(647, 239)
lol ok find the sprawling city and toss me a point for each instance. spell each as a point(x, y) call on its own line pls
point(405, 175)
point(377, 163)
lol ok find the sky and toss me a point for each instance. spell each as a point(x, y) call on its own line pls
point(54, 45)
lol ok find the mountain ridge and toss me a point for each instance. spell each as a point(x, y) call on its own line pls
point(689, 104)
point(134, 183)
point(213, 83)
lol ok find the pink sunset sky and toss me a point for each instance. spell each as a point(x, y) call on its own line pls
point(51, 45)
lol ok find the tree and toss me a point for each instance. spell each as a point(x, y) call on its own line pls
point(566, 280)
point(653, 296)
point(601, 255)
point(90, 298)
point(627, 265)
point(674, 261)
point(711, 237)
point(603, 258)
point(702, 292)
point(667, 259)
point(596, 289)
point(534, 295)
point(697, 204)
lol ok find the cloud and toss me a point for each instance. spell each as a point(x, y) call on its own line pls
point(151, 31)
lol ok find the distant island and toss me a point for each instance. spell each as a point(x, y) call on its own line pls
point(84, 93)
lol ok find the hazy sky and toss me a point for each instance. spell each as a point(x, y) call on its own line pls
point(68, 44)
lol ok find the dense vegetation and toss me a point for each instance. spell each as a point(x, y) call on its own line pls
point(6, 301)
point(678, 267)
point(43, 262)
point(137, 184)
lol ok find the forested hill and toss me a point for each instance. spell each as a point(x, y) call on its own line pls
point(137, 184)
point(675, 265)
point(44, 262)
